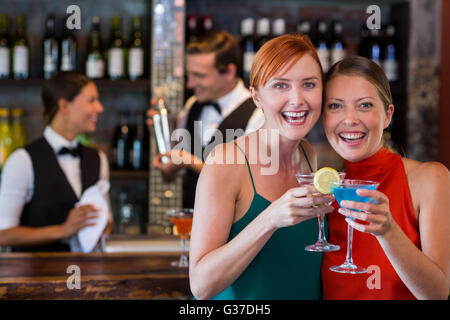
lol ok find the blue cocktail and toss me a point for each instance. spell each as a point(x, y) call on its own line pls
point(346, 190)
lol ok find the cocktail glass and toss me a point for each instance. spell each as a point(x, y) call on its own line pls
point(182, 219)
point(346, 190)
point(322, 245)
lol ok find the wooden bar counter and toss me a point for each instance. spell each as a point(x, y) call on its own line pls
point(102, 276)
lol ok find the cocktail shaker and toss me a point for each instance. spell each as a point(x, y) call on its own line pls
point(163, 125)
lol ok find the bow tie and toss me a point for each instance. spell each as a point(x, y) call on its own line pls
point(75, 152)
point(212, 104)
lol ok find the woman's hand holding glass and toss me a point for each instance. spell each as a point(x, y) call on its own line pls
point(376, 214)
point(298, 205)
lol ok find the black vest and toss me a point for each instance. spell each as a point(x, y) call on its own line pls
point(53, 196)
point(238, 119)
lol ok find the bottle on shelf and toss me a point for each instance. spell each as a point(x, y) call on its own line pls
point(136, 50)
point(18, 133)
point(192, 31)
point(5, 52)
point(140, 144)
point(262, 32)
point(69, 48)
point(338, 47)
point(116, 51)
point(322, 45)
point(278, 27)
point(50, 49)
point(248, 47)
point(304, 27)
point(5, 136)
point(95, 64)
point(122, 143)
point(363, 46)
point(390, 61)
point(20, 51)
point(374, 46)
point(206, 24)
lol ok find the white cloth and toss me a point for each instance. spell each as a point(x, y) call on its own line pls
point(17, 179)
point(211, 119)
point(87, 238)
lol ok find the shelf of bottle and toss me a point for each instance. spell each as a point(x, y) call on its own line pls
point(126, 84)
point(129, 175)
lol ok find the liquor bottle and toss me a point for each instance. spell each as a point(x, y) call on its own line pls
point(116, 51)
point(140, 144)
point(5, 52)
point(95, 64)
point(363, 47)
point(304, 27)
point(374, 46)
point(278, 27)
point(18, 133)
point(206, 24)
point(338, 48)
point(191, 28)
point(121, 143)
point(21, 52)
point(322, 46)
point(69, 48)
point(262, 32)
point(136, 51)
point(390, 61)
point(5, 136)
point(50, 48)
point(248, 47)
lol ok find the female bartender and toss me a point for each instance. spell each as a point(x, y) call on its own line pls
point(42, 181)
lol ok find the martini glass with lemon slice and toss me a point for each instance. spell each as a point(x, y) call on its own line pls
point(182, 219)
point(322, 180)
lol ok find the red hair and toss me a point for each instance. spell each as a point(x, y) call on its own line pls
point(278, 54)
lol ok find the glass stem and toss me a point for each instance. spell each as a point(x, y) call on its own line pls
point(348, 258)
point(183, 257)
point(322, 237)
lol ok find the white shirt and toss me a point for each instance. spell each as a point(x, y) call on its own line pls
point(17, 181)
point(211, 119)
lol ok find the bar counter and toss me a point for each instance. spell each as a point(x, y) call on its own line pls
point(102, 276)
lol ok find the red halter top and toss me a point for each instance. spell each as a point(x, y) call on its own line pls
point(383, 282)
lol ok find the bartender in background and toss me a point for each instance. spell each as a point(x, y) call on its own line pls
point(220, 101)
point(42, 181)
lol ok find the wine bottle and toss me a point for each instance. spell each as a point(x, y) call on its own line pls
point(278, 27)
point(248, 47)
point(136, 51)
point(5, 52)
point(322, 45)
point(338, 47)
point(206, 24)
point(5, 136)
point(262, 32)
point(304, 27)
point(116, 51)
point(95, 65)
point(140, 144)
point(390, 61)
point(69, 48)
point(20, 51)
point(192, 31)
point(121, 143)
point(18, 133)
point(50, 48)
point(374, 46)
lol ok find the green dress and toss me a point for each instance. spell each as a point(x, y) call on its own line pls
point(282, 269)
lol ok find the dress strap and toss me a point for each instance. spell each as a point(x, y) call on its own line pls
point(248, 166)
point(307, 160)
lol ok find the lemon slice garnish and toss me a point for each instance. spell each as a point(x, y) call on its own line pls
point(323, 179)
